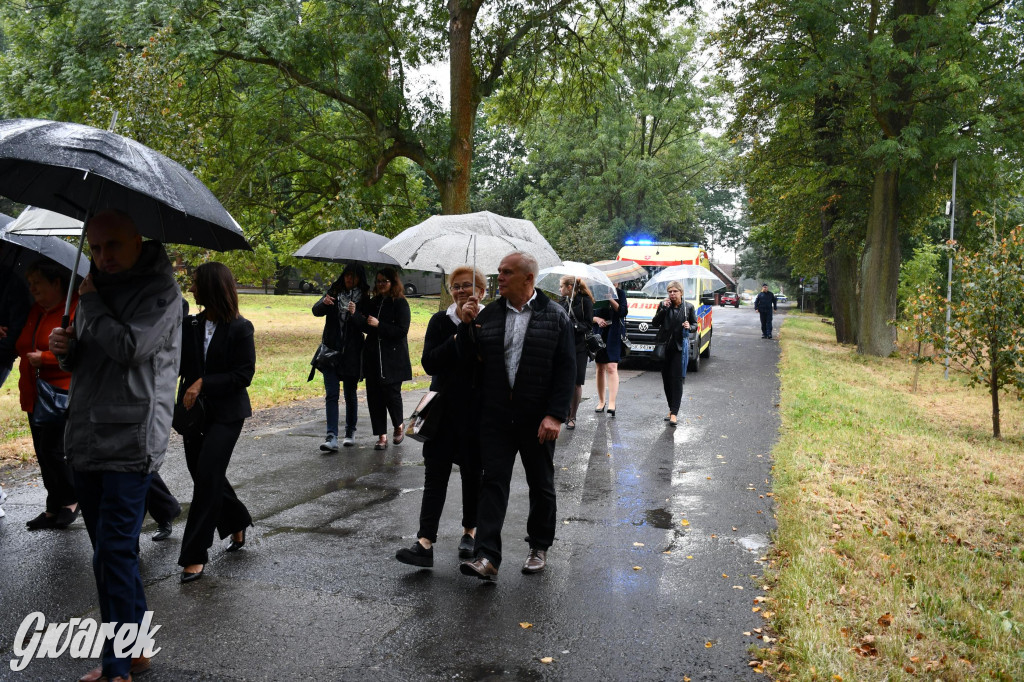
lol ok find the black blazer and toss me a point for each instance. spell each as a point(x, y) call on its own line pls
point(227, 370)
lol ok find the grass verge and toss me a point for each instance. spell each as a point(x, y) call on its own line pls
point(899, 552)
point(287, 334)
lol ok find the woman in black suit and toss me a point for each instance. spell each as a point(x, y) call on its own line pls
point(674, 319)
point(218, 360)
point(581, 312)
point(386, 355)
point(457, 440)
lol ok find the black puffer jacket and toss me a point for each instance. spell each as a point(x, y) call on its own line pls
point(546, 376)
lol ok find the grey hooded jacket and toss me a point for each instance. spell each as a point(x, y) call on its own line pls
point(124, 367)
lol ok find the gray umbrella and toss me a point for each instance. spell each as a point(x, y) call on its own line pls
point(54, 248)
point(346, 246)
point(78, 170)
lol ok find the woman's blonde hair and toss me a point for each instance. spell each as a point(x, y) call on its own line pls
point(477, 275)
point(675, 284)
point(581, 286)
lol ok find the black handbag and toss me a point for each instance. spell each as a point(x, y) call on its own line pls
point(425, 419)
point(594, 343)
point(325, 358)
point(189, 423)
point(659, 351)
point(51, 404)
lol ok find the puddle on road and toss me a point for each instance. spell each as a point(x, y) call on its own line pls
point(753, 543)
point(658, 518)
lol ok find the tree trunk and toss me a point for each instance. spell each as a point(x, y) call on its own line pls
point(465, 100)
point(841, 271)
point(880, 269)
point(994, 389)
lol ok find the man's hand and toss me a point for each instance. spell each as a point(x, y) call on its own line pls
point(192, 394)
point(60, 340)
point(35, 358)
point(470, 309)
point(549, 429)
point(87, 287)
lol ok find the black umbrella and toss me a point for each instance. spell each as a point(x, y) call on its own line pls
point(54, 248)
point(79, 170)
point(346, 246)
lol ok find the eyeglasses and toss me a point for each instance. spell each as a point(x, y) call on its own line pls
point(383, 281)
point(461, 287)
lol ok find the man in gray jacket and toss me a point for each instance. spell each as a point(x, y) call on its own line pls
point(123, 353)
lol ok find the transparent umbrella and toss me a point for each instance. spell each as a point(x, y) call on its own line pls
point(687, 275)
point(550, 279)
point(54, 248)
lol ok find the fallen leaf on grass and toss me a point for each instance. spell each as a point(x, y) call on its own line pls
point(526, 625)
point(885, 620)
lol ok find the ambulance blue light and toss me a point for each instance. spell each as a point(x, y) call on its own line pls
point(630, 242)
point(645, 242)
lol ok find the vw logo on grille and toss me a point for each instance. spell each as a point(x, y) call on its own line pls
point(644, 326)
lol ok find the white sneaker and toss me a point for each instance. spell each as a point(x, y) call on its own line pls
point(331, 444)
point(3, 496)
point(348, 442)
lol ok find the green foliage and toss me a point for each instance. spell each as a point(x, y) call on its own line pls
point(919, 276)
point(987, 327)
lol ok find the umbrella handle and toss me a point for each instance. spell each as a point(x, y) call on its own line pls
point(65, 321)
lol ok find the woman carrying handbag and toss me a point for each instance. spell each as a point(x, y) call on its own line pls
point(610, 323)
point(386, 355)
point(674, 319)
point(579, 303)
point(42, 381)
point(218, 360)
point(456, 439)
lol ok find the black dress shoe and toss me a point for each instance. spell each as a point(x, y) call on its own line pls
point(467, 546)
point(236, 545)
point(417, 555)
point(190, 577)
point(65, 517)
point(479, 568)
point(42, 522)
point(163, 531)
point(535, 561)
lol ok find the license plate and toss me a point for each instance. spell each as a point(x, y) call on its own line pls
point(643, 347)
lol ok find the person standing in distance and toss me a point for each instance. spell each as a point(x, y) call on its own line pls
point(123, 354)
point(524, 344)
point(766, 305)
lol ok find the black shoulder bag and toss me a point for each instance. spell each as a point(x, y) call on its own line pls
point(190, 423)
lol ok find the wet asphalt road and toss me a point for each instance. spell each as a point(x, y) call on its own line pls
point(630, 592)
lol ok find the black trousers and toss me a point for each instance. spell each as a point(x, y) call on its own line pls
point(383, 400)
point(498, 456)
point(160, 503)
point(48, 442)
point(766, 324)
point(214, 503)
point(437, 469)
point(672, 377)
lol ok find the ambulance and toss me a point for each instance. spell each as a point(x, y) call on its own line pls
point(656, 256)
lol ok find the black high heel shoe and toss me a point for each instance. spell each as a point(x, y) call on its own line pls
point(600, 409)
point(189, 577)
point(236, 544)
point(611, 412)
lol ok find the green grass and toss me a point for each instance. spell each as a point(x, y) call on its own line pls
point(898, 552)
point(287, 334)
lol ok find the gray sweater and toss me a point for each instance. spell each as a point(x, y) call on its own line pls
point(124, 367)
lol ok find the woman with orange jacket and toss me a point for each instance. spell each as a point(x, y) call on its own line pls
point(48, 284)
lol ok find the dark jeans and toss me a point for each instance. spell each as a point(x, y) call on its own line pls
point(383, 399)
point(766, 324)
point(332, 386)
point(214, 503)
point(437, 468)
point(113, 504)
point(48, 442)
point(160, 503)
point(498, 456)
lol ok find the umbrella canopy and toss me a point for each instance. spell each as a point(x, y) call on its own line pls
point(687, 275)
point(444, 242)
point(619, 271)
point(54, 248)
point(79, 170)
point(346, 246)
point(550, 279)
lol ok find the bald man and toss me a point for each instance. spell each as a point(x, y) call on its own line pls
point(123, 353)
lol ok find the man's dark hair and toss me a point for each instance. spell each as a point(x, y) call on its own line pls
point(215, 287)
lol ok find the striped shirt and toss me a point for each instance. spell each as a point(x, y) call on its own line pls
point(516, 322)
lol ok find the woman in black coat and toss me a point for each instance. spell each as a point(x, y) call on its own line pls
point(674, 319)
point(218, 360)
point(610, 323)
point(345, 308)
point(386, 355)
point(457, 440)
point(581, 313)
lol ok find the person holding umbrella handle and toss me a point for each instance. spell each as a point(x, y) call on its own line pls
point(674, 319)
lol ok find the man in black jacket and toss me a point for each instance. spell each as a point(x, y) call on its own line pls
point(526, 350)
point(765, 304)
